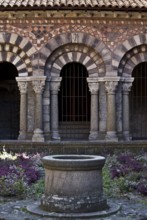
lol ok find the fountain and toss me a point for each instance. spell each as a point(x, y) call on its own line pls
point(73, 188)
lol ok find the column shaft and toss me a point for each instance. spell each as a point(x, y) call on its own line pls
point(111, 111)
point(55, 86)
point(22, 84)
point(54, 115)
point(125, 119)
point(38, 86)
point(93, 87)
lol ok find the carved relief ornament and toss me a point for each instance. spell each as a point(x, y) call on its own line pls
point(22, 86)
point(111, 86)
point(38, 85)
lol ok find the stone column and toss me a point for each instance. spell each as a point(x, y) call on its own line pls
point(38, 86)
point(23, 85)
point(55, 86)
point(102, 110)
point(93, 87)
point(111, 110)
point(126, 87)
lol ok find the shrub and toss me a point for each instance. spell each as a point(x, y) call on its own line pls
point(127, 172)
point(17, 173)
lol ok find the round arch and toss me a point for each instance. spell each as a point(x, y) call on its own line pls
point(18, 50)
point(75, 53)
point(95, 47)
point(125, 47)
point(131, 59)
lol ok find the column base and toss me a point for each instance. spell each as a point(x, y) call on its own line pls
point(38, 135)
point(126, 136)
point(111, 136)
point(55, 136)
point(22, 136)
point(93, 136)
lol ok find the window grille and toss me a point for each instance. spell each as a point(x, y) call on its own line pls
point(138, 102)
point(74, 99)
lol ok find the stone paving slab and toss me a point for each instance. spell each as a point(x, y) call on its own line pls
point(131, 209)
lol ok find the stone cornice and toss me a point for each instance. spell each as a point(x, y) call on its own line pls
point(54, 14)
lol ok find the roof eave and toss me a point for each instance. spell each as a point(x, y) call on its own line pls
point(36, 8)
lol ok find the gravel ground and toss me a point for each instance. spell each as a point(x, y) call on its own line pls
point(132, 208)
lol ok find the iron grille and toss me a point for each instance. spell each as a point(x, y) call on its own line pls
point(138, 102)
point(74, 99)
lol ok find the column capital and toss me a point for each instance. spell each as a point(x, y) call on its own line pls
point(55, 83)
point(111, 86)
point(93, 85)
point(38, 84)
point(127, 84)
point(23, 86)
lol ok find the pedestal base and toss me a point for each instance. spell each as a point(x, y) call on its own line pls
point(36, 209)
point(111, 136)
point(38, 136)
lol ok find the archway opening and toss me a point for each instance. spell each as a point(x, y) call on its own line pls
point(138, 102)
point(9, 102)
point(74, 102)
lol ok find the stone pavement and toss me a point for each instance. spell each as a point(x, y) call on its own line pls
point(134, 208)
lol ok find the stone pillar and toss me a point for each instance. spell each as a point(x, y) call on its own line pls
point(55, 86)
point(126, 87)
point(23, 85)
point(38, 86)
point(102, 110)
point(93, 87)
point(111, 110)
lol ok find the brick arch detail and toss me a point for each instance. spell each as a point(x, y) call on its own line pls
point(16, 61)
point(74, 38)
point(127, 46)
point(75, 53)
point(131, 59)
point(18, 50)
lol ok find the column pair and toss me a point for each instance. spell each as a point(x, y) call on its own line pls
point(38, 86)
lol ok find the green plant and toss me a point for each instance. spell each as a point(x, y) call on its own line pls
point(36, 189)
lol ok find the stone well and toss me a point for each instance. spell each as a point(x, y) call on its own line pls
point(73, 188)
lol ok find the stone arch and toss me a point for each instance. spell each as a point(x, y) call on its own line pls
point(75, 53)
point(131, 59)
point(18, 50)
point(74, 38)
point(127, 46)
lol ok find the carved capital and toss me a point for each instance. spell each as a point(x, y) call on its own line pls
point(126, 86)
point(93, 87)
point(111, 86)
point(38, 85)
point(23, 86)
point(55, 84)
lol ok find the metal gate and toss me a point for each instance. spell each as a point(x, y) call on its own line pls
point(74, 102)
point(138, 102)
